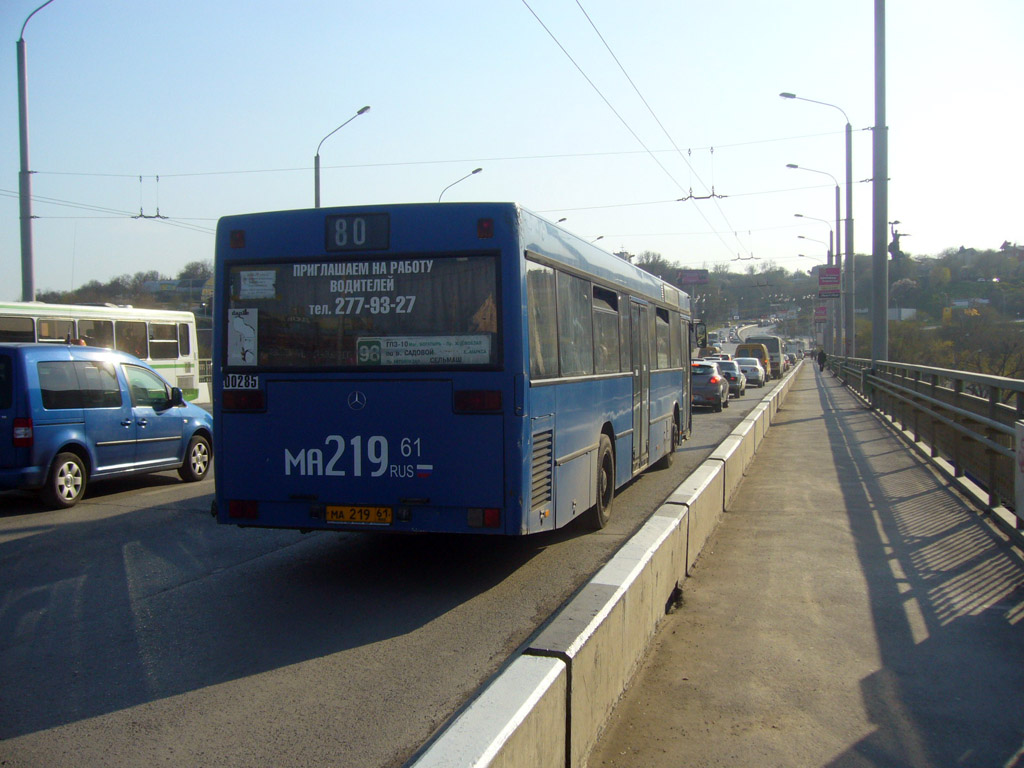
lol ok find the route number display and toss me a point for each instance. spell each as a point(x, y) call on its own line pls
point(358, 232)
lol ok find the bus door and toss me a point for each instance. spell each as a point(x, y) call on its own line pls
point(641, 348)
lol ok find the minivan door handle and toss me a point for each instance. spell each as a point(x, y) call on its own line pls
point(142, 422)
point(126, 423)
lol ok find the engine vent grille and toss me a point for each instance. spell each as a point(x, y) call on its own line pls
point(541, 469)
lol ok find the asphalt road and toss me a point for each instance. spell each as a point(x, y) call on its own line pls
point(135, 631)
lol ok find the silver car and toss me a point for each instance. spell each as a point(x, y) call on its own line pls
point(735, 376)
point(708, 385)
point(752, 369)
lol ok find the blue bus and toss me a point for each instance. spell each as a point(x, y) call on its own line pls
point(445, 367)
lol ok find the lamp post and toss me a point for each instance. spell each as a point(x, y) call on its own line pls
point(828, 224)
point(471, 173)
point(28, 281)
point(840, 327)
point(830, 324)
point(316, 157)
point(850, 344)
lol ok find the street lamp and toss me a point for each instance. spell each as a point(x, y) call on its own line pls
point(316, 157)
point(826, 223)
point(471, 173)
point(28, 281)
point(836, 328)
point(850, 345)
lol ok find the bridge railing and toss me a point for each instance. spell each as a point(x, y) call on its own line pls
point(964, 421)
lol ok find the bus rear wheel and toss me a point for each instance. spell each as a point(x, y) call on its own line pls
point(601, 512)
point(665, 462)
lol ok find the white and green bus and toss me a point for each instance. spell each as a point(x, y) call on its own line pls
point(165, 339)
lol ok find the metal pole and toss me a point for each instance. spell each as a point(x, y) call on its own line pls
point(316, 157)
point(838, 303)
point(850, 322)
point(880, 202)
point(316, 180)
point(28, 287)
point(28, 281)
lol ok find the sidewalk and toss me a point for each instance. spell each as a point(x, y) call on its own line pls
point(850, 610)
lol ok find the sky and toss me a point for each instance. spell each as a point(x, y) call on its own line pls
point(601, 112)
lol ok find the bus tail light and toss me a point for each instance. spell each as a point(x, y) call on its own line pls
point(244, 400)
point(237, 238)
point(477, 400)
point(243, 510)
point(485, 228)
point(487, 517)
point(22, 435)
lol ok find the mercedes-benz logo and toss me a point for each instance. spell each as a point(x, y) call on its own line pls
point(356, 400)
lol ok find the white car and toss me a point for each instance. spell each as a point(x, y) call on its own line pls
point(752, 369)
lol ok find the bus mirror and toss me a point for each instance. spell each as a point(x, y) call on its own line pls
point(701, 332)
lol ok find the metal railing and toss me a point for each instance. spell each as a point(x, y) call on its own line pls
point(964, 421)
point(205, 371)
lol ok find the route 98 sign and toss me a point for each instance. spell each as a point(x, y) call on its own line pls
point(358, 232)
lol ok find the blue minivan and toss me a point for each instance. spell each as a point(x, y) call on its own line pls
point(71, 414)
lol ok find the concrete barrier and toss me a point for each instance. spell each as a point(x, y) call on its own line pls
point(703, 494)
point(517, 721)
point(603, 632)
point(547, 708)
point(734, 453)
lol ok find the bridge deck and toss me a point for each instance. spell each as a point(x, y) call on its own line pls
point(851, 610)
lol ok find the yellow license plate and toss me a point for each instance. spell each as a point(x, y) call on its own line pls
point(350, 514)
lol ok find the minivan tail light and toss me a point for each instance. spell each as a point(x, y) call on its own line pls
point(22, 434)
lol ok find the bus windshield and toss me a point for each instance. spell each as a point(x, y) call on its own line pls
point(436, 311)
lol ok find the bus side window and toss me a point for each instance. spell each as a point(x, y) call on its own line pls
point(97, 333)
point(184, 342)
point(606, 331)
point(163, 341)
point(130, 337)
point(51, 329)
point(677, 339)
point(17, 329)
point(625, 346)
point(575, 326)
point(541, 322)
point(661, 332)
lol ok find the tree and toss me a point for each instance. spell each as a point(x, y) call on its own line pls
point(197, 270)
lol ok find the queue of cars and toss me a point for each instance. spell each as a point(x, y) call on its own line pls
point(717, 375)
point(70, 414)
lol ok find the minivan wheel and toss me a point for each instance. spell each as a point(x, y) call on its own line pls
point(197, 460)
point(65, 484)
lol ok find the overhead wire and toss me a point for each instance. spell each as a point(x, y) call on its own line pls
point(664, 130)
point(456, 160)
point(114, 213)
point(614, 111)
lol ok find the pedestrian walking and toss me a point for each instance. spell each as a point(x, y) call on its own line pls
point(822, 357)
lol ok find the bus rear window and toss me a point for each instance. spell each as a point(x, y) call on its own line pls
point(436, 312)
